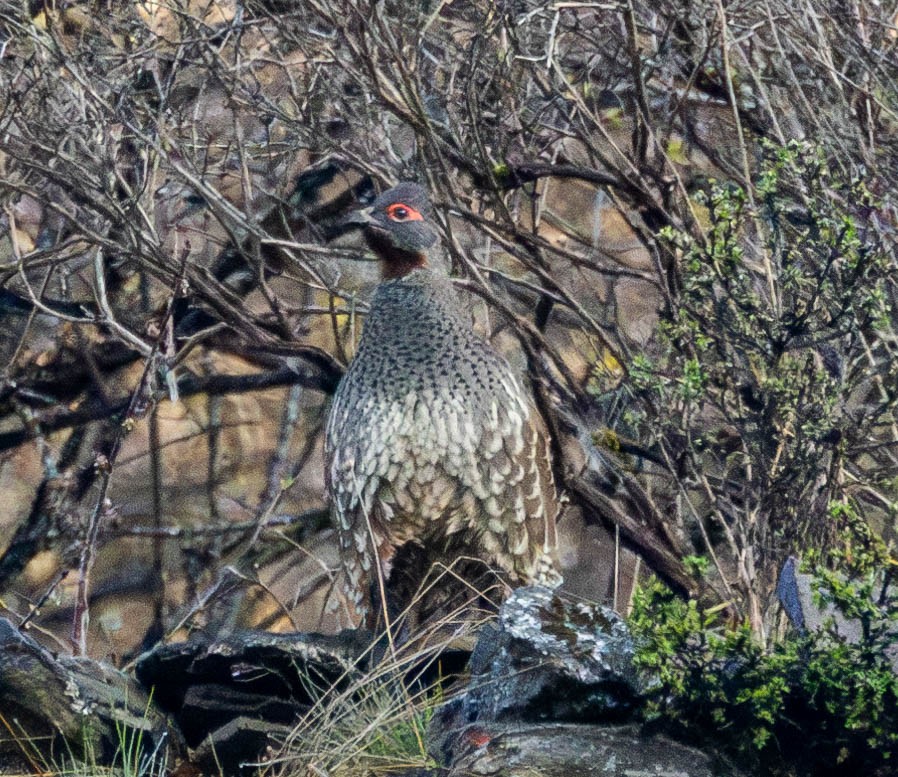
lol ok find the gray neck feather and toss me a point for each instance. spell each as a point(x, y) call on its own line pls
point(417, 336)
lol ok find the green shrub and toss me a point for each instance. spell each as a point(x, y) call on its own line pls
point(812, 704)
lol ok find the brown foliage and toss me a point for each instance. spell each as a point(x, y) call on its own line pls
point(179, 300)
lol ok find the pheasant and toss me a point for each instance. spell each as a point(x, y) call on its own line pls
point(432, 444)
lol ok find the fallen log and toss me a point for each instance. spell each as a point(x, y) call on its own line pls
point(58, 708)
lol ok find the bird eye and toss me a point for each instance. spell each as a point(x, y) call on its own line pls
point(400, 212)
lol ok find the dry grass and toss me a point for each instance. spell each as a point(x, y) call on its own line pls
point(131, 758)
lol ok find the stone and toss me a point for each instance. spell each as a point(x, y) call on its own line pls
point(551, 659)
point(563, 750)
point(236, 697)
point(553, 692)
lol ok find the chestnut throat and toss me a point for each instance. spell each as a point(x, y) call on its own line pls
point(395, 262)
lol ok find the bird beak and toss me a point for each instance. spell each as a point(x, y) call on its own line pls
point(358, 218)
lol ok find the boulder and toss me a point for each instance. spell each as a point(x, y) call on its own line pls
point(553, 690)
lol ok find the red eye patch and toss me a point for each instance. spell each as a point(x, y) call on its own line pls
point(399, 211)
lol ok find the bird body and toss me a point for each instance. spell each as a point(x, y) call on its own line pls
point(431, 439)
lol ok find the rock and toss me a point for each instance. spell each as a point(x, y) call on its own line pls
point(562, 750)
point(548, 659)
point(238, 746)
point(235, 694)
point(798, 594)
point(552, 687)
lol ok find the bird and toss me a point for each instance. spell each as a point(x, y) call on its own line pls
point(432, 445)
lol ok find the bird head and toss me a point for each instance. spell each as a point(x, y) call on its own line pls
point(399, 228)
